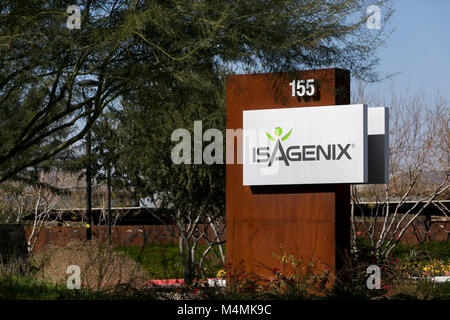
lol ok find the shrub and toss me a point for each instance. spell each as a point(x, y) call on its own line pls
point(101, 269)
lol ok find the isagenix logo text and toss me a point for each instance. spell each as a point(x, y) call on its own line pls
point(328, 152)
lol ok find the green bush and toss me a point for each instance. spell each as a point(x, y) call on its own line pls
point(424, 251)
point(421, 252)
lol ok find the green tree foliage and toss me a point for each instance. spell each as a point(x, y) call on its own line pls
point(128, 46)
point(42, 61)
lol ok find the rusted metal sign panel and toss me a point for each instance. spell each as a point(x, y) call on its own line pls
point(312, 222)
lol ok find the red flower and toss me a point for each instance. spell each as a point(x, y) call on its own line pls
point(196, 290)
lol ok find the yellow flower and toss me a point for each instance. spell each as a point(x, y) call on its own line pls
point(221, 273)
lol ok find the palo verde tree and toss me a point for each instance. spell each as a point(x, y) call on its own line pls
point(42, 61)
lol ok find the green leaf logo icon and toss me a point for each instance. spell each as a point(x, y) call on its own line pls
point(286, 136)
point(270, 137)
point(279, 132)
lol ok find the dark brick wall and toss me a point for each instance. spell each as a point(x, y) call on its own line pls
point(135, 235)
point(419, 231)
point(120, 235)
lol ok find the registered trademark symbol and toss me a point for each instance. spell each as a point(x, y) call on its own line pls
point(353, 145)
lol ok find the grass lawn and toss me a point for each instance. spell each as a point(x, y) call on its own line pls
point(162, 261)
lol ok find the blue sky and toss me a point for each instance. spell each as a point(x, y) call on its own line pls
point(419, 47)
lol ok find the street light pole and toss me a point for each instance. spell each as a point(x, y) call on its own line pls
point(88, 179)
point(108, 218)
point(83, 84)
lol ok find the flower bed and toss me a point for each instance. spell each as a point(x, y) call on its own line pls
point(427, 269)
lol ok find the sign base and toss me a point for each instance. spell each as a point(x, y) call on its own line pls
point(311, 222)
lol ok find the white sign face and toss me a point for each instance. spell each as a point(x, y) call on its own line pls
point(313, 145)
point(378, 145)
